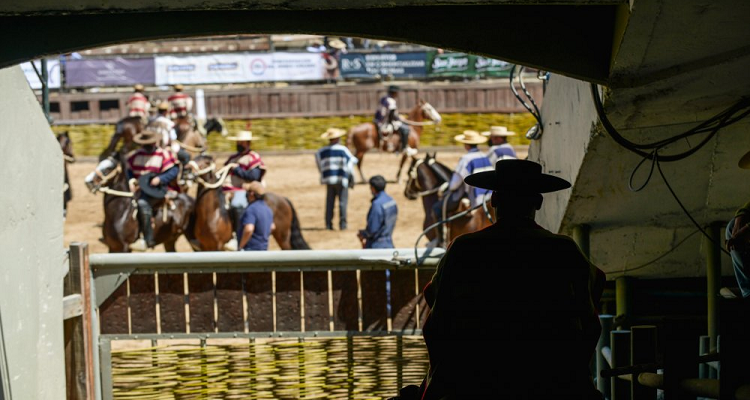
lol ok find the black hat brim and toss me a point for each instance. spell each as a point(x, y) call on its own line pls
point(542, 183)
point(156, 192)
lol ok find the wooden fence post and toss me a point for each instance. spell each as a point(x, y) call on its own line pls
point(79, 352)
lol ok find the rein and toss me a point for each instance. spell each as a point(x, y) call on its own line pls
point(110, 175)
point(69, 159)
point(413, 178)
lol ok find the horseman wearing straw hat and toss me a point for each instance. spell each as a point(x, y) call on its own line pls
point(500, 149)
point(336, 166)
point(154, 169)
point(533, 294)
point(180, 103)
point(250, 168)
point(472, 162)
point(138, 104)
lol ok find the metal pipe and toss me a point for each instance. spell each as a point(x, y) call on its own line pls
point(703, 349)
point(701, 387)
point(624, 299)
point(602, 362)
point(642, 351)
point(286, 260)
point(620, 358)
point(45, 90)
point(713, 279)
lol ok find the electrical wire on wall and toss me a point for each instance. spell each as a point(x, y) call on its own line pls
point(535, 132)
point(651, 151)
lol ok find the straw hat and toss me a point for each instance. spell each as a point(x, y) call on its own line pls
point(254, 187)
point(243, 136)
point(470, 137)
point(178, 87)
point(163, 106)
point(147, 137)
point(333, 133)
point(498, 131)
point(336, 44)
point(522, 176)
point(138, 88)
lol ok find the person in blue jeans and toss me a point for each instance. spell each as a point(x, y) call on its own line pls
point(381, 219)
point(256, 223)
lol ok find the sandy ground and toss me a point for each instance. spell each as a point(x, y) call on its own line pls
point(294, 176)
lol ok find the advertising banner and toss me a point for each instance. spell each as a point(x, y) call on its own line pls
point(53, 72)
point(110, 72)
point(466, 65)
point(231, 68)
point(374, 65)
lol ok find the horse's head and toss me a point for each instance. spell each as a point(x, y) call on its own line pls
point(425, 177)
point(66, 145)
point(429, 112)
point(104, 173)
point(215, 125)
point(201, 167)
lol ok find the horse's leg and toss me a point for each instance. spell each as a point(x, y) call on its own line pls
point(401, 166)
point(169, 245)
point(360, 158)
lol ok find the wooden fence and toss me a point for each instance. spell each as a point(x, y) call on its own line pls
point(305, 101)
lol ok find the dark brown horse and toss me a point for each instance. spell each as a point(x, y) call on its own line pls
point(364, 137)
point(211, 225)
point(427, 179)
point(66, 145)
point(120, 228)
point(125, 130)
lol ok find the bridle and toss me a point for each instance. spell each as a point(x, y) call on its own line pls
point(413, 180)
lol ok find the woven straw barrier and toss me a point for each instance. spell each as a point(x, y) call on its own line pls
point(353, 368)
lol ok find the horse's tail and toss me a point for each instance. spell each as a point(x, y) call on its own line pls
point(297, 241)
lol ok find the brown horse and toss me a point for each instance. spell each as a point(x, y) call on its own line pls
point(188, 137)
point(66, 145)
point(211, 226)
point(427, 179)
point(125, 130)
point(120, 228)
point(364, 137)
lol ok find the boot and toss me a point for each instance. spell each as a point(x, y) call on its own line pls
point(148, 230)
point(236, 219)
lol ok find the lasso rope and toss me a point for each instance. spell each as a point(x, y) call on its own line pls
point(221, 175)
point(416, 123)
point(113, 192)
point(189, 147)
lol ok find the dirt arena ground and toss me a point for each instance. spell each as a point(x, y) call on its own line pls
point(294, 176)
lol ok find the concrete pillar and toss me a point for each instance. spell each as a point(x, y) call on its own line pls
point(581, 236)
point(624, 299)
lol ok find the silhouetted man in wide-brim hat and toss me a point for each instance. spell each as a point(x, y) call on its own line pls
point(512, 297)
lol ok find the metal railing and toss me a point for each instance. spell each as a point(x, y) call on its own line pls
point(231, 303)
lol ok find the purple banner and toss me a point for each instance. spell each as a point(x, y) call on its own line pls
point(110, 72)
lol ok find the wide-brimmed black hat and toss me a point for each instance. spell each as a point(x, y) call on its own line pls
point(518, 176)
point(156, 192)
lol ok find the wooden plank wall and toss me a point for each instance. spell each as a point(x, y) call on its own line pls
point(266, 302)
point(312, 101)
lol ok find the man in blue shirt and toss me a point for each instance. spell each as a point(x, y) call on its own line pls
point(381, 219)
point(470, 163)
point(336, 165)
point(256, 223)
point(500, 149)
